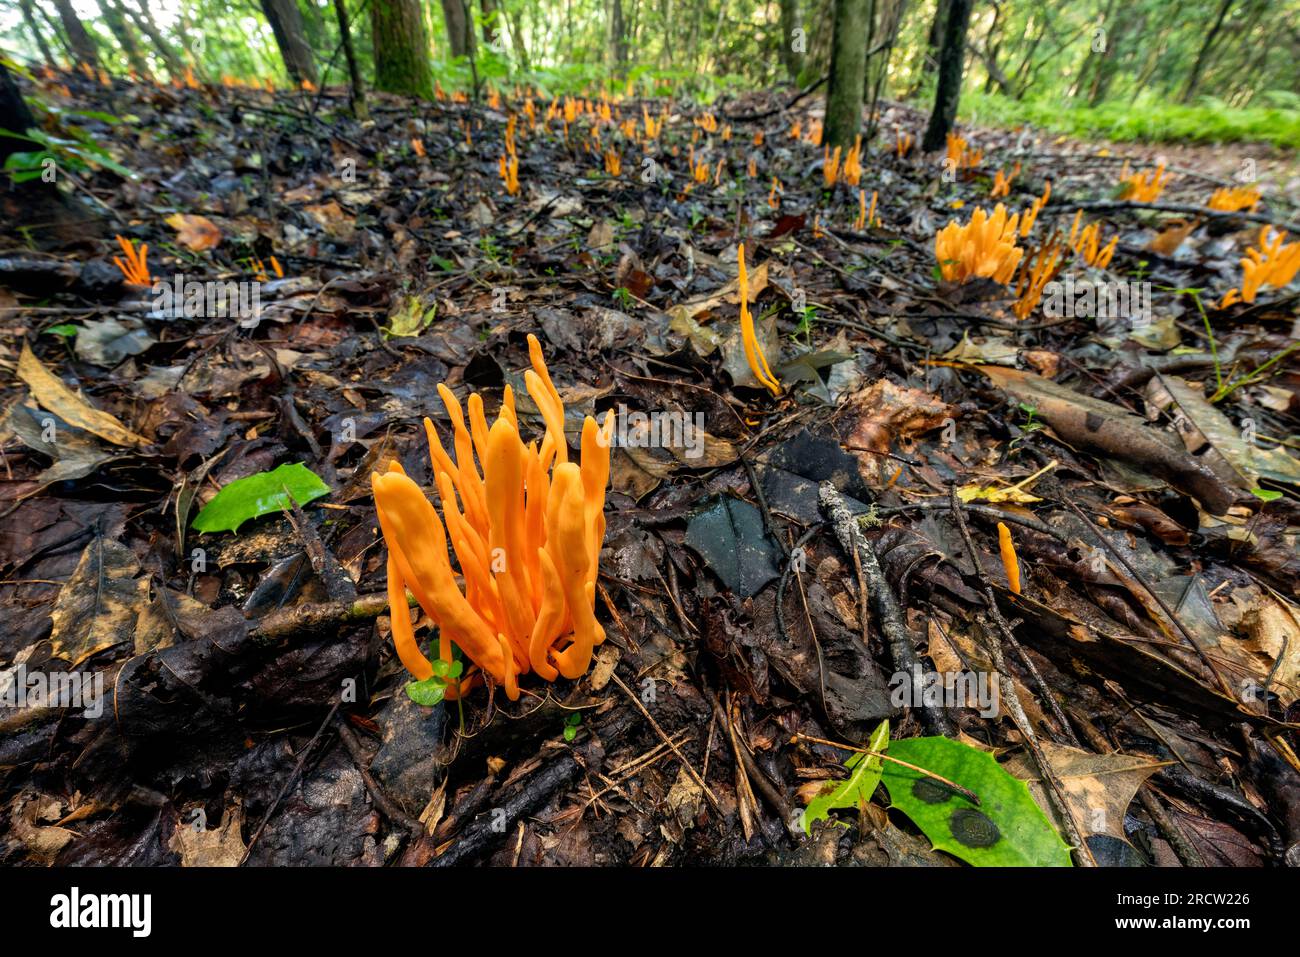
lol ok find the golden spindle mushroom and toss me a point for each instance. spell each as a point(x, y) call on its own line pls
point(1008, 549)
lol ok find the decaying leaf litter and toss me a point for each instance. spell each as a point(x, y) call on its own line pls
point(764, 582)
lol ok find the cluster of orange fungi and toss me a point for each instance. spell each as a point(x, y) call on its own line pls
point(983, 248)
point(526, 526)
point(1142, 187)
point(1272, 263)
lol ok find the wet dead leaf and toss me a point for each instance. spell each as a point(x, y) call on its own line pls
point(1113, 431)
point(98, 606)
point(197, 233)
point(53, 395)
point(220, 847)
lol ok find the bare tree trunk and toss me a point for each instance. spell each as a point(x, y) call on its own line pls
point(34, 29)
point(934, 39)
point(890, 21)
point(886, 16)
point(37, 202)
point(401, 47)
point(848, 69)
point(286, 23)
point(460, 32)
point(14, 116)
point(144, 21)
point(517, 39)
point(615, 38)
point(791, 58)
point(951, 62)
point(358, 86)
point(1107, 63)
point(121, 31)
point(1194, 78)
point(491, 20)
point(58, 34)
point(83, 45)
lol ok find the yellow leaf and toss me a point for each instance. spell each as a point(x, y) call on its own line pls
point(194, 232)
point(995, 493)
point(54, 396)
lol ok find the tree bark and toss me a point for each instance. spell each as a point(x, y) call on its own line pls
point(14, 116)
point(1194, 78)
point(460, 32)
point(121, 30)
point(81, 42)
point(29, 18)
point(491, 20)
point(847, 75)
point(358, 86)
point(934, 38)
point(615, 38)
point(57, 33)
point(791, 58)
point(951, 61)
point(402, 47)
point(517, 38)
point(36, 203)
point(144, 21)
point(286, 23)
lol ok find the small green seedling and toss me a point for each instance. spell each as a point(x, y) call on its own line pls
point(433, 689)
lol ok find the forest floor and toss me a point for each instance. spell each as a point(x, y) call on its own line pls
point(1144, 676)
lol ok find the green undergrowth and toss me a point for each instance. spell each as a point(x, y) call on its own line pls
point(1275, 119)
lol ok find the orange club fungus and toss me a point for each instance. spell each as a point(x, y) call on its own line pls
point(525, 524)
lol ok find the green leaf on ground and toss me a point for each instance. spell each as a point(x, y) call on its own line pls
point(258, 495)
point(1006, 829)
point(855, 790)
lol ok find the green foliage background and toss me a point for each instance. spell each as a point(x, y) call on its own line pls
point(1122, 70)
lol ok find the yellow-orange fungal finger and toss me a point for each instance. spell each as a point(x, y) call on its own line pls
point(416, 539)
point(471, 553)
point(478, 552)
point(753, 353)
point(537, 485)
point(460, 434)
point(508, 408)
point(403, 634)
point(438, 456)
point(595, 476)
point(539, 366)
point(478, 427)
point(552, 414)
point(550, 619)
point(506, 537)
point(511, 677)
point(468, 481)
point(566, 532)
point(1009, 563)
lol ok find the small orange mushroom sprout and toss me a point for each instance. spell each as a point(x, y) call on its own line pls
point(526, 532)
point(1142, 187)
point(1007, 549)
point(134, 262)
point(831, 166)
point(1273, 263)
point(1234, 199)
point(508, 167)
point(1002, 182)
point(983, 248)
point(1087, 243)
point(753, 351)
